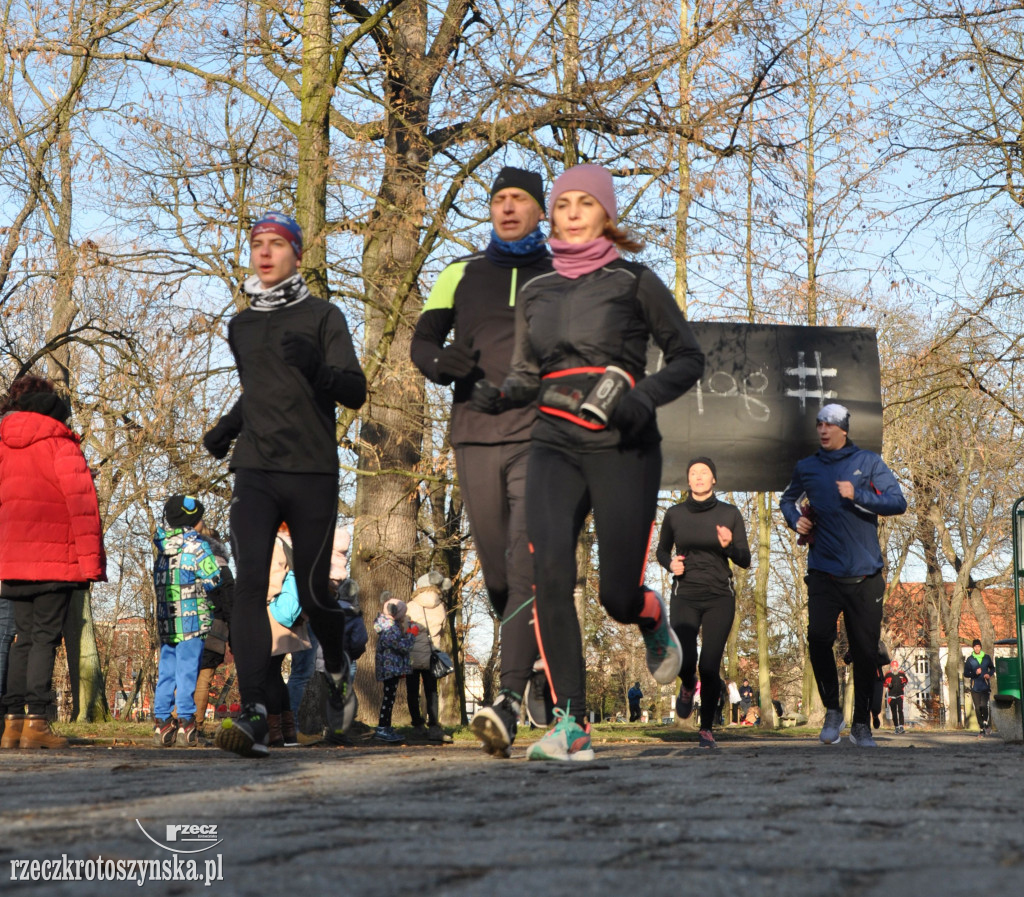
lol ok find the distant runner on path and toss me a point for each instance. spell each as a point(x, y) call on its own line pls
point(833, 502)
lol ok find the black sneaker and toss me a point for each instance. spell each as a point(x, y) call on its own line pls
point(496, 725)
point(163, 731)
point(247, 735)
point(341, 705)
point(684, 702)
point(188, 733)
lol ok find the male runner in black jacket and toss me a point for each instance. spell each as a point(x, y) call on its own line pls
point(296, 361)
point(475, 296)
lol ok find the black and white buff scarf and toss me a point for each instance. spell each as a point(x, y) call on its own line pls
point(287, 292)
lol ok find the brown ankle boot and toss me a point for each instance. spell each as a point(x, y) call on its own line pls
point(36, 733)
point(275, 735)
point(13, 723)
point(288, 732)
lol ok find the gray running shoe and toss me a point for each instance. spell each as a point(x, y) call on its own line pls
point(664, 653)
point(834, 725)
point(537, 703)
point(860, 735)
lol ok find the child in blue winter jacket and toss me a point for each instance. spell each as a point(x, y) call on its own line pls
point(395, 637)
point(184, 572)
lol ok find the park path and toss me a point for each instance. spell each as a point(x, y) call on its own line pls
point(924, 814)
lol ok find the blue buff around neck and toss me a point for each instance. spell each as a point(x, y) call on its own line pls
point(527, 245)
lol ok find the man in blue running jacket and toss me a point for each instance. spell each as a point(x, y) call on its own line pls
point(833, 502)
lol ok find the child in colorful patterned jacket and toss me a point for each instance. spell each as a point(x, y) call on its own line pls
point(184, 572)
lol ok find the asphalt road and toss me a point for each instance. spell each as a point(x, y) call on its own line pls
point(928, 814)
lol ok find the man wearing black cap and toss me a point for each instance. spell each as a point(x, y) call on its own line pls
point(978, 671)
point(475, 296)
point(834, 501)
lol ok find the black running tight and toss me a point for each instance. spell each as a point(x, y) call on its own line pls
point(308, 503)
point(621, 486)
point(713, 620)
point(896, 710)
point(493, 482)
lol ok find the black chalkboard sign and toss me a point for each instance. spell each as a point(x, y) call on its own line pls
point(754, 410)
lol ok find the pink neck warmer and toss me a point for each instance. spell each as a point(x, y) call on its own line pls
point(573, 260)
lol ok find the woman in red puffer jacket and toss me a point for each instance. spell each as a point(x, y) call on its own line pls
point(51, 543)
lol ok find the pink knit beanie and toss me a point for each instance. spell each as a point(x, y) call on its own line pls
point(592, 179)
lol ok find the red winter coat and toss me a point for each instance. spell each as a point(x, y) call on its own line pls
point(49, 515)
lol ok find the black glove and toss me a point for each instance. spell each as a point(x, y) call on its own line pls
point(457, 360)
point(301, 352)
point(632, 416)
point(488, 398)
point(218, 441)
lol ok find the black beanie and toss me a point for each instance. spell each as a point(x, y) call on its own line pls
point(702, 460)
point(183, 510)
point(528, 181)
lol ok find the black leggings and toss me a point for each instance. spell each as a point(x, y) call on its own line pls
point(308, 503)
point(896, 710)
point(39, 622)
point(861, 606)
point(980, 699)
point(387, 701)
point(493, 483)
point(412, 694)
point(621, 486)
point(713, 619)
point(277, 691)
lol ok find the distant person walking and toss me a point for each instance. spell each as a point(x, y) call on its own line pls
point(634, 696)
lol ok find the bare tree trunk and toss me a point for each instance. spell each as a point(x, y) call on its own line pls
point(764, 679)
point(570, 77)
point(390, 438)
point(682, 235)
point(489, 674)
point(84, 667)
point(809, 188)
point(732, 659)
point(314, 139)
point(981, 614)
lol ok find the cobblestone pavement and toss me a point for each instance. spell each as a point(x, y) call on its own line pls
point(924, 814)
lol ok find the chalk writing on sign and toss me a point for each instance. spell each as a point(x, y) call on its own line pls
point(818, 373)
point(725, 385)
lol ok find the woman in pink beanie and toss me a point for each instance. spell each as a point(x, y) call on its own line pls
point(581, 340)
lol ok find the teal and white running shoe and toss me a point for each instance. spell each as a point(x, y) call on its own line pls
point(567, 740)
